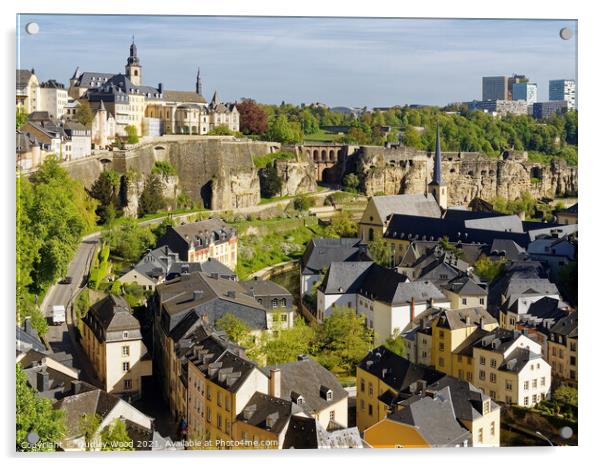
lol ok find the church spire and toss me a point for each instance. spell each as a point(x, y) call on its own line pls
point(198, 82)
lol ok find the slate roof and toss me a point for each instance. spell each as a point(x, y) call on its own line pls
point(229, 370)
point(454, 319)
point(266, 412)
point(566, 326)
point(301, 433)
point(184, 96)
point(417, 249)
point(92, 79)
point(407, 204)
point(466, 286)
point(27, 338)
point(569, 210)
point(435, 420)
point(308, 378)
point(321, 252)
point(264, 288)
point(112, 313)
point(395, 371)
point(214, 227)
point(345, 276)
point(502, 223)
point(466, 398)
point(518, 359)
point(508, 249)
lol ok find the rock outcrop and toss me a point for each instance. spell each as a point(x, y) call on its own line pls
point(468, 175)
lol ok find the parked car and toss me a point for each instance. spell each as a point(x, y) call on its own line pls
point(67, 281)
point(58, 315)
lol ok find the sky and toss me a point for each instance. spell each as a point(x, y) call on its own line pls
point(337, 61)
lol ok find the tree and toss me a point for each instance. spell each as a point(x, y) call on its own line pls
point(164, 168)
point(342, 340)
point(221, 130)
point(253, 118)
point(151, 199)
point(129, 240)
point(289, 343)
point(395, 343)
point(351, 182)
point(381, 252)
point(341, 226)
point(281, 130)
point(88, 425)
point(106, 191)
point(84, 113)
point(270, 183)
point(132, 134)
point(115, 437)
point(36, 415)
point(567, 395)
point(236, 329)
point(303, 202)
point(488, 269)
point(21, 117)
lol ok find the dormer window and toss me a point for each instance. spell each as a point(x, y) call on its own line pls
point(329, 395)
point(125, 334)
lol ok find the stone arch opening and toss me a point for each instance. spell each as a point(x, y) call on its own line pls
point(207, 194)
point(323, 155)
point(340, 155)
point(331, 155)
point(316, 155)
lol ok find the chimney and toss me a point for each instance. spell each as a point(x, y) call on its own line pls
point(77, 387)
point(196, 294)
point(43, 381)
point(160, 88)
point(412, 308)
point(231, 294)
point(274, 388)
point(420, 386)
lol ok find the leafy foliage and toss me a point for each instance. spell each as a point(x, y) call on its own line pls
point(106, 191)
point(395, 343)
point(289, 343)
point(151, 199)
point(342, 226)
point(381, 252)
point(164, 168)
point(221, 130)
point(21, 117)
point(280, 129)
point(128, 240)
point(114, 437)
point(351, 182)
point(132, 134)
point(270, 184)
point(36, 414)
point(84, 113)
point(253, 118)
point(262, 161)
point(567, 395)
point(236, 329)
point(88, 425)
point(303, 203)
point(488, 269)
point(342, 340)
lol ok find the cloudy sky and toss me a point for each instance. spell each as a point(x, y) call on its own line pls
point(337, 61)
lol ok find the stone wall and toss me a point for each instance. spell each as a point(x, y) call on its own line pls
point(298, 176)
point(468, 175)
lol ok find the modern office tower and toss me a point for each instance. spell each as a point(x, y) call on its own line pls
point(563, 89)
point(495, 88)
point(515, 79)
point(525, 91)
point(547, 109)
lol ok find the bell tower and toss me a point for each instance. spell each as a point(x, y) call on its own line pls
point(133, 68)
point(437, 186)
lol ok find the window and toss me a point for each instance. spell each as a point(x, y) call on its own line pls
point(534, 383)
point(492, 377)
point(480, 435)
point(493, 363)
point(534, 398)
point(441, 362)
point(370, 389)
point(127, 384)
point(481, 375)
point(329, 395)
point(543, 381)
point(492, 428)
point(508, 385)
point(331, 415)
point(441, 346)
point(492, 394)
point(209, 393)
point(274, 303)
point(125, 334)
point(362, 385)
point(126, 366)
point(464, 300)
point(227, 403)
point(228, 426)
point(508, 399)
point(362, 405)
point(208, 414)
point(573, 361)
point(485, 407)
point(369, 410)
point(526, 385)
point(284, 317)
point(219, 421)
point(482, 301)
point(526, 401)
point(482, 360)
point(219, 399)
point(125, 350)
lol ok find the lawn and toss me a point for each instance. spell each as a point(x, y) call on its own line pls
point(321, 136)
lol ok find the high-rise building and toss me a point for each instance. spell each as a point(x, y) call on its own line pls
point(525, 91)
point(515, 79)
point(563, 89)
point(495, 88)
point(547, 109)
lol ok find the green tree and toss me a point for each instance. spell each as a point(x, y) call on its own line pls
point(164, 168)
point(151, 200)
point(236, 329)
point(488, 269)
point(106, 191)
point(342, 226)
point(21, 117)
point(221, 130)
point(289, 343)
point(132, 134)
point(395, 343)
point(281, 130)
point(351, 182)
point(303, 202)
point(567, 395)
point(342, 340)
point(115, 437)
point(88, 425)
point(270, 184)
point(84, 113)
point(128, 240)
point(568, 278)
point(381, 252)
point(36, 414)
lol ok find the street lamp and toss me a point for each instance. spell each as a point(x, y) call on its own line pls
point(544, 437)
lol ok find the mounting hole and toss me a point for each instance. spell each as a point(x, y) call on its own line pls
point(32, 28)
point(566, 432)
point(566, 33)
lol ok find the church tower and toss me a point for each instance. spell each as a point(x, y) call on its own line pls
point(437, 187)
point(133, 68)
point(198, 82)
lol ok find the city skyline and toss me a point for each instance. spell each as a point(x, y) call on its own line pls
point(274, 59)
